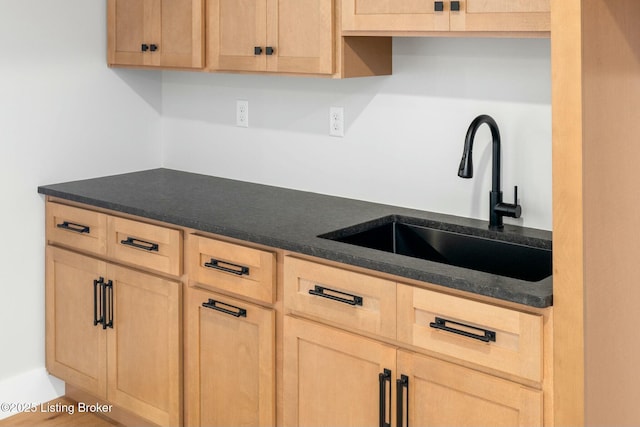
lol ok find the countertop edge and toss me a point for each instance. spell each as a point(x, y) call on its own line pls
point(533, 294)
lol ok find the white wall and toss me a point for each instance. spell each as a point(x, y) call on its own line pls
point(63, 116)
point(404, 133)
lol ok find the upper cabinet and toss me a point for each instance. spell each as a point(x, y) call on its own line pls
point(156, 33)
point(331, 38)
point(271, 35)
point(400, 16)
point(288, 36)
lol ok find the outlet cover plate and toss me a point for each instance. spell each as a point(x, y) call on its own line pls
point(242, 113)
point(336, 121)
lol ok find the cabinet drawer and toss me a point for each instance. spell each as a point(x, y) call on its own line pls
point(353, 300)
point(483, 334)
point(146, 245)
point(234, 268)
point(79, 228)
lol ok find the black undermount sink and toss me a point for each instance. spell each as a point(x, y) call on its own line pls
point(451, 244)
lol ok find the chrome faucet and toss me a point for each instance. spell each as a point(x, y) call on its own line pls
point(497, 209)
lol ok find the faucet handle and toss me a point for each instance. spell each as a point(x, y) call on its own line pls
point(517, 209)
point(512, 210)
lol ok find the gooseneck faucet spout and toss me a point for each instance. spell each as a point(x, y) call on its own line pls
point(497, 209)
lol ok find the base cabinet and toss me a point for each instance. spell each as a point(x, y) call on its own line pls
point(437, 393)
point(76, 346)
point(347, 349)
point(115, 332)
point(231, 361)
point(332, 377)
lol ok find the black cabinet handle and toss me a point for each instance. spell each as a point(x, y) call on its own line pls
point(438, 6)
point(320, 291)
point(455, 6)
point(485, 336)
point(103, 306)
point(402, 384)
point(220, 306)
point(70, 226)
point(107, 307)
point(144, 47)
point(269, 50)
point(237, 269)
point(153, 47)
point(140, 244)
point(97, 294)
point(384, 378)
point(257, 50)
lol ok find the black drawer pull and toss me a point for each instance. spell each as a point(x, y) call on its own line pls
point(215, 264)
point(257, 50)
point(147, 246)
point(70, 226)
point(269, 50)
point(438, 6)
point(235, 311)
point(455, 6)
point(486, 335)
point(320, 291)
point(144, 47)
point(384, 378)
point(153, 47)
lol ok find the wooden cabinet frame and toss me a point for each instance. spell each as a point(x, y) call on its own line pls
point(595, 57)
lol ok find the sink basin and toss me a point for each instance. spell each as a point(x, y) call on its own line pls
point(451, 244)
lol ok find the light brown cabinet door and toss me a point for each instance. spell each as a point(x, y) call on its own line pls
point(235, 28)
point(332, 378)
point(76, 346)
point(301, 34)
point(182, 34)
point(502, 15)
point(230, 365)
point(127, 31)
point(166, 33)
point(144, 345)
point(394, 15)
point(444, 394)
point(294, 36)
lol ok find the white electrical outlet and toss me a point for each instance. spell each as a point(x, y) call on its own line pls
point(336, 121)
point(242, 113)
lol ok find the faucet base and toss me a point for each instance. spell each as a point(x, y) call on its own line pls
point(495, 216)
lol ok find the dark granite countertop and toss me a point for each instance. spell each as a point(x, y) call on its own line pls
point(292, 220)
